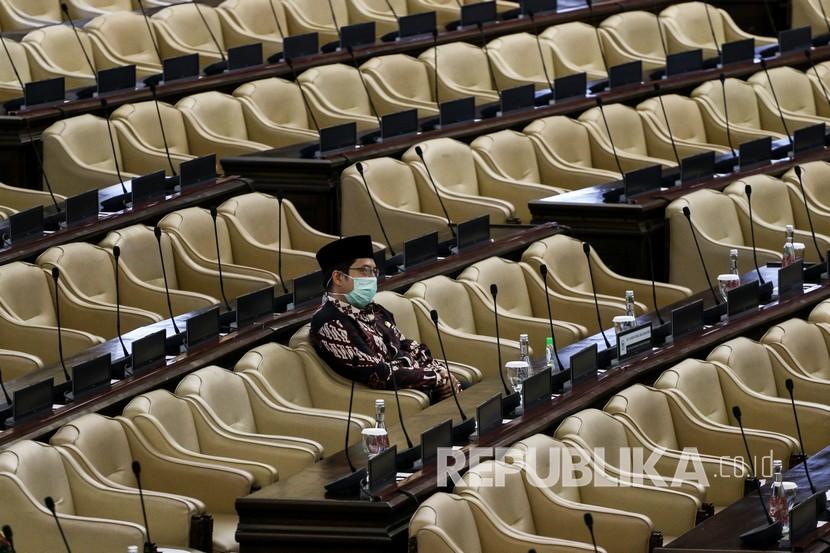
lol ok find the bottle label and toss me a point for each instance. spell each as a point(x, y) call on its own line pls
point(778, 509)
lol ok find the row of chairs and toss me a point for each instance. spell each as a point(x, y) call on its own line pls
point(21, 15)
point(522, 500)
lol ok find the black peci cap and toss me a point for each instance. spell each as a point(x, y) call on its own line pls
point(343, 251)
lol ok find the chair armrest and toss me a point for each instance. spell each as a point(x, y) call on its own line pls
point(807, 388)
point(16, 364)
point(154, 298)
point(303, 236)
point(43, 340)
point(98, 319)
point(516, 193)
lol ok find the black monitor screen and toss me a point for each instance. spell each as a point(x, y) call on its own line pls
point(809, 138)
point(91, 375)
point(474, 14)
point(82, 208)
point(400, 123)
point(181, 67)
point(115, 79)
point(26, 224)
point(308, 288)
point(791, 280)
point(417, 24)
point(799, 39)
point(489, 415)
point(625, 73)
point(742, 299)
point(383, 469)
point(338, 136)
point(253, 306)
point(804, 517)
point(33, 400)
point(697, 167)
point(519, 97)
point(203, 327)
point(148, 352)
point(420, 250)
point(536, 389)
point(737, 51)
point(457, 111)
point(473, 233)
point(297, 46)
point(245, 56)
point(684, 62)
point(148, 187)
point(359, 34)
point(44, 92)
point(433, 439)
point(584, 364)
point(642, 181)
point(570, 87)
point(755, 152)
point(687, 319)
point(532, 7)
point(196, 171)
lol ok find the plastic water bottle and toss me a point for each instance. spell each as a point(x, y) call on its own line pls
point(733, 262)
point(550, 354)
point(524, 349)
point(778, 505)
point(629, 303)
point(789, 248)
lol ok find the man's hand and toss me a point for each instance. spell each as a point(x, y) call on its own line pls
point(444, 390)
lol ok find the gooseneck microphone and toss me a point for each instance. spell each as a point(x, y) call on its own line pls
point(589, 523)
point(541, 53)
point(56, 276)
point(50, 504)
point(596, 31)
point(798, 171)
point(391, 9)
point(5, 393)
point(777, 103)
point(393, 377)
point(543, 270)
point(65, 12)
point(116, 253)
point(279, 242)
point(610, 138)
point(219, 258)
point(334, 22)
point(748, 192)
point(349, 484)
point(149, 29)
point(688, 214)
point(668, 125)
point(725, 105)
point(359, 167)
point(790, 387)
point(149, 546)
point(7, 532)
point(152, 88)
point(512, 398)
point(712, 28)
point(105, 106)
point(157, 232)
point(586, 248)
point(487, 55)
point(462, 430)
point(219, 50)
point(435, 62)
point(653, 278)
point(372, 107)
point(420, 153)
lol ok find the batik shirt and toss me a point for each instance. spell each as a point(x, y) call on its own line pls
point(364, 345)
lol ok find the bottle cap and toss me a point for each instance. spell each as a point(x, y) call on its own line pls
point(523, 337)
point(548, 341)
point(380, 403)
point(733, 251)
point(789, 228)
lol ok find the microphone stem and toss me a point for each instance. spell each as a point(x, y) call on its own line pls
point(375, 209)
point(489, 61)
point(435, 59)
point(752, 236)
point(219, 264)
point(150, 30)
point(596, 301)
point(39, 160)
point(166, 288)
point(498, 347)
point(725, 111)
point(114, 154)
point(809, 217)
point(334, 22)
point(210, 31)
point(438, 195)
point(754, 476)
point(703, 262)
point(163, 134)
point(118, 310)
point(276, 19)
point(610, 138)
point(541, 54)
point(348, 428)
point(712, 28)
point(60, 332)
point(449, 374)
point(775, 97)
point(668, 128)
point(375, 112)
point(550, 321)
point(279, 242)
point(801, 442)
point(653, 282)
point(302, 95)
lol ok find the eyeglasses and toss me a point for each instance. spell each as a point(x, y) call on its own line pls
point(366, 270)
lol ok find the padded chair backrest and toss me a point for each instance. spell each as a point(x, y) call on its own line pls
point(225, 393)
point(259, 214)
point(715, 216)
point(566, 138)
point(319, 13)
point(770, 199)
point(750, 361)
point(637, 30)
point(513, 296)
point(545, 457)
point(195, 226)
point(502, 488)
point(451, 297)
point(106, 5)
point(45, 10)
point(337, 85)
point(577, 42)
point(276, 100)
point(169, 412)
point(625, 124)
point(699, 382)
point(140, 254)
point(390, 181)
point(741, 101)
point(815, 175)
point(406, 76)
point(256, 15)
point(218, 112)
point(596, 430)
point(184, 23)
point(60, 48)
point(402, 309)
point(649, 410)
point(691, 18)
point(26, 294)
point(520, 54)
point(125, 34)
point(684, 117)
point(21, 63)
point(282, 367)
point(804, 342)
point(41, 470)
point(446, 523)
point(142, 120)
point(103, 442)
point(792, 88)
point(75, 260)
point(451, 164)
point(84, 137)
point(461, 63)
point(565, 259)
point(510, 154)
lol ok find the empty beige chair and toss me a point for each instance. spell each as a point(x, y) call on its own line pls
point(633, 36)
point(258, 223)
point(142, 142)
point(575, 49)
point(808, 13)
point(574, 158)
point(275, 112)
point(772, 211)
point(687, 27)
point(9, 85)
point(509, 155)
point(386, 21)
point(820, 313)
point(141, 270)
point(408, 206)
point(802, 346)
point(251, 21)
point(20, 199)
point(194, 246)
point(819, 78)
point(801, 104)
point(749, 118)
point(215, 123)
point(448, 10)
point(54, 52)
point(20, 15)
point(814, 175)
point(97, 288)
point(719, 229)
point(16, 364)
point(670, 512)
point(518, 60)
point(463, 71)
point(398, 82)
point(239, 409)
point(105, 448)
point(87, 9)
point(686, 124)
point(181, 31)
point(631, 138)
point(93, 517)
point(122, 38)
point(521, 500)
point(336, 96)
point(313, 16)
point(568, 275)
point(454, 167)
point(174, 429)
point(77, 155)
point(447, 523)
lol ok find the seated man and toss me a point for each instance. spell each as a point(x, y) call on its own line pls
point(358, 338)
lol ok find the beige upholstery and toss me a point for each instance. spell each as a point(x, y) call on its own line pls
point(592, 431)
point(313, 16)
point(406, 202)
point(518, 60)
point(462, 71)
point(215, 123)
point(9, 85)
point(686, 124)
point(510, 156)
point(105, 448)
point(140, 136)
point(447, 523)
point(519, 499)
point(718, 228)
point(709, 391)
point(772, 211)
point(28, 320)
point(819, 77)
point(87, 9)
point(458, 173)
point(140, 270)
point(568, 275)
point(180, 31)
point(77, 155)
point(801, 104)
point(193, 242)
point(21, 199)
point(336, 96)
point(808, 13)
point(633, 36)
point(97, 288)
point(122, 38)
point(802, 346)
point(376, 10)
point(820, 313)
point(232, 404)
point(252, 221)
point(522, 297)
point(575, 49)
point(173, 428)
point(275, 112)
point(448, 10)
point(814, 175)
point(670, 512)
point(16, 364)
point(398, 82)
point(663, 420)
point(17, 15)
point(94, 517)
point(251, 21)
point(54, 52)
point(686, 27)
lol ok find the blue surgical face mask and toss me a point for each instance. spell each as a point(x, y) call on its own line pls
point(363, 292)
